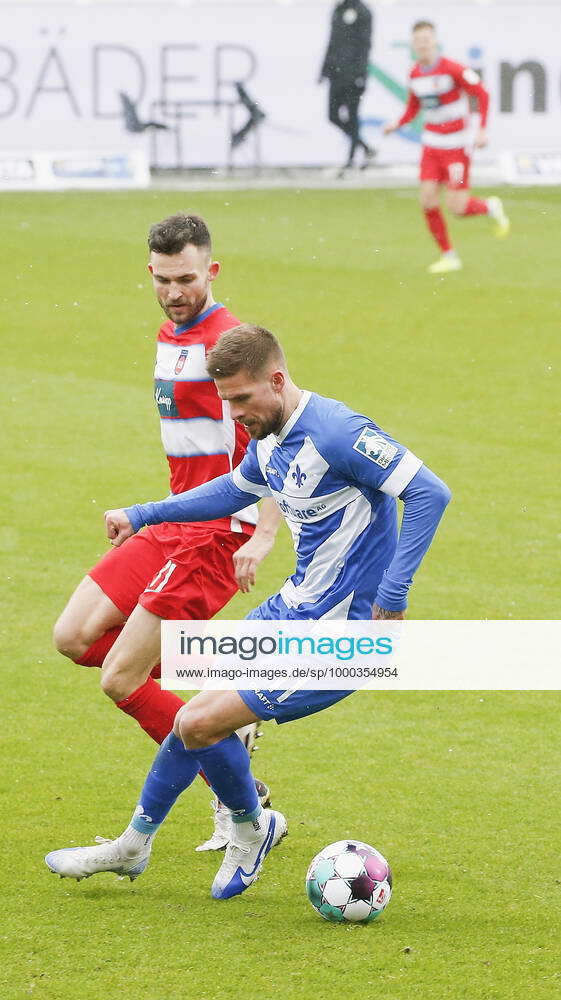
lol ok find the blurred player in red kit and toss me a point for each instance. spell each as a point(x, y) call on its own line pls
point(174, 571)
point(441, 89)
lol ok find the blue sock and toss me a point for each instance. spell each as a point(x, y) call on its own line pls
point(226, 765)
point(173, 770)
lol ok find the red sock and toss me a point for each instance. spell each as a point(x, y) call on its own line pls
point(95, 655)
point(476, 206)
point(153, 709)
point(437, 226)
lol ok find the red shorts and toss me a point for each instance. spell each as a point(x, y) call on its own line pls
point(172, 570)
point(446, 166)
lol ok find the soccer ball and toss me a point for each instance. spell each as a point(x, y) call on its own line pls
point(350, 881)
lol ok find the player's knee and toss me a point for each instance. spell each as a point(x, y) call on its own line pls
point(429, 202)
point(455, 205)
point(116, 682)
point(196, 727)
point(68, 641)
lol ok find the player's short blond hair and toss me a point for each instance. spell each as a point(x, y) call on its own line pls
point(247, 348)
point(419, 25)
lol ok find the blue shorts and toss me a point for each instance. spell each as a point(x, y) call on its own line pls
point(285, 706)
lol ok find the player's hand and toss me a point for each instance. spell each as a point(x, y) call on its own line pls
point(117, 526)
point(378, 613)
point(480, 140)
point(248, 557)
point(390, 127)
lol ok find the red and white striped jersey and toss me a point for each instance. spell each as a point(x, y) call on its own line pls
point(441, 92)
point(200, 438)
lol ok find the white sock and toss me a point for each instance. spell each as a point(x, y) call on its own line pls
point(252, 830)
point(133, 842)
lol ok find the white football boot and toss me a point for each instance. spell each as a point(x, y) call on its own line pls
point(244, 857)
point(222, 828)
point(445, 264)
point(498, 214)
point(104, 856)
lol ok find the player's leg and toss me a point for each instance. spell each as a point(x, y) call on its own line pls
point(89, 625)
point(432, 176)
point(353, 102)
point(463, 204)
point(430, 204)
point(459, 199)
point(174, 769)
point(125, 676)
point(102, 602)
point(194, 583)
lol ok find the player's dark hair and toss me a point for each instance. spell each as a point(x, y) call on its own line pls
point(423, 24)
point(247, 348)
point(172, 234)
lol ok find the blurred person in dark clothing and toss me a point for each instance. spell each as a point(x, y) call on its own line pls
point(346, 67)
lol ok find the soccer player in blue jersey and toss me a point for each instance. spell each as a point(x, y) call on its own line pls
point(335, 476)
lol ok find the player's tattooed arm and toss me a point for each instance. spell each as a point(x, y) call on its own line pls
point(248, 556)
point(378, 613)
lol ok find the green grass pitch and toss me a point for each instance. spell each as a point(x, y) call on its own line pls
point(459, 791)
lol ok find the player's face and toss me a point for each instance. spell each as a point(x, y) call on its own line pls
point(425, 45)
point(182, 282)
point(255, 403)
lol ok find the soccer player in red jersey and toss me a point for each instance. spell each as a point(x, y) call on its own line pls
point(185, 571)
point(441, 89)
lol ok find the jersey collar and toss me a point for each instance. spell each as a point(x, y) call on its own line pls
point(304, 400)
point(198, 319)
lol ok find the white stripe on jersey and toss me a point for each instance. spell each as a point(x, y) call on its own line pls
point(313, 509)
point(329, 557)
point(447, 140)
point(342, 609)
point(188, 438)
point(432, 83)
point(315, 465)
point(194, 364)
point(401, 475)
point(247, 486)
point(447, 112)
point(229, 430)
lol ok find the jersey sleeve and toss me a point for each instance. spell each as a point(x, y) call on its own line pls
point(470, 82)
point(220, 497)
point(370, 457)
point(412, 109)
point(247, 476)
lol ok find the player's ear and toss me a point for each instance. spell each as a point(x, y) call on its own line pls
point(150, 268)
point(213, 270)
point(277, 381)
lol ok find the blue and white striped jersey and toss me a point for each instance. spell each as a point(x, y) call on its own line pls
point(335, 476)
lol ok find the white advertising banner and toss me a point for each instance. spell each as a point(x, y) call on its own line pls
point(65, 66)
point(330, 655)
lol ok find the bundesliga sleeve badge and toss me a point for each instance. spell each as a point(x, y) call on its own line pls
point(375, 447)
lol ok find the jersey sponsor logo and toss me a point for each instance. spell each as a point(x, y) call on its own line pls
point(299, 513)
point(270, 471)
point(299, 477)
point(165, 399)
point(181, 361)
point(430, 102)
point(375, 447)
